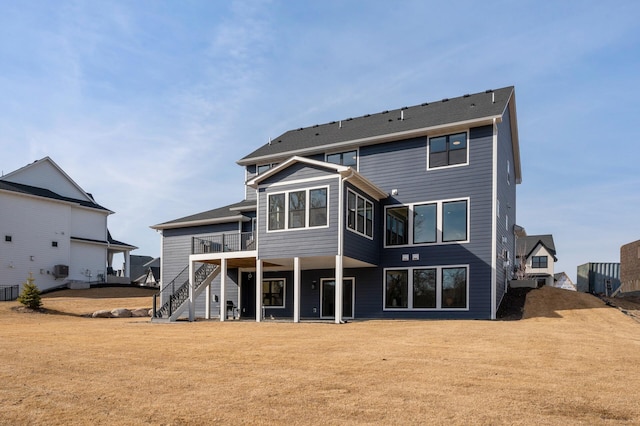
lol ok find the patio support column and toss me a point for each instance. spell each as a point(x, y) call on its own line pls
point(192, 301)
point(258, 290)
point(207, 305)
point(223, 289)
point(339, 289)
point(296, 289)
point(127, 264)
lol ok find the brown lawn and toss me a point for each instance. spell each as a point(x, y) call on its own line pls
point(572, 359)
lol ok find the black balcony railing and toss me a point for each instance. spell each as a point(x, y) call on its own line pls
point(238, 241)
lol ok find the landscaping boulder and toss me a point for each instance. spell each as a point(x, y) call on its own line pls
point(140, 312)
point(102, 314)
point(121, 313)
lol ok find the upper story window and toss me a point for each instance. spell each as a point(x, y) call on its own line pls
point(448, 150)
point(427, 223)
point(305, 208)
point(348, 158)
point(54, 244)
point(261, 168)
point(8, 238)
point(539, 262)
point(359, 214)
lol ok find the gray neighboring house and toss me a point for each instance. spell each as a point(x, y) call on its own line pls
point(406, 213)
point(149, 274)
point(139, 266)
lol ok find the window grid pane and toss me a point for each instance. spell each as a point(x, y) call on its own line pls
point(448, 150)
point(454, 221)
point(454, 287)
point(396, 292)
point(424, 288)
point(297, 209)
point(425, 223)
point(276, 211)
point(318, 207)
point(397, 224)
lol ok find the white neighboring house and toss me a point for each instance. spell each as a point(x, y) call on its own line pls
point(563, 281)
point(539, 254)
point(50, 227)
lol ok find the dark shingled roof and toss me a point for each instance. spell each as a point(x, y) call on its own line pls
point(491, 103)
point(45, 193)
point(528, 243)
point(211, 215)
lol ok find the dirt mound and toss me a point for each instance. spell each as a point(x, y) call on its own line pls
point(547, 301)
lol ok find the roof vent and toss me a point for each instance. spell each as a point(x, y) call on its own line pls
point(466, 95)
point(315, 126)
point(402, 113)
point(385, 111)
point(317, 134)
point(489, 91)
point(425, 104)
point(445, 100)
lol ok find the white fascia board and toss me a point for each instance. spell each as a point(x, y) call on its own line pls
point(55, 165)
point(201, 222)
point(295, 159)
point(372, 140)
point(364, 184)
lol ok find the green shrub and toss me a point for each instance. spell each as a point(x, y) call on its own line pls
point(30, 296)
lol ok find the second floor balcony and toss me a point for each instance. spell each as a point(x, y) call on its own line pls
point(220, 243)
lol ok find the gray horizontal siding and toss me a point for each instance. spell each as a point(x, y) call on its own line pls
point(403, 166)
point(506, 192)
point(300, 242)
point(358, 246)
point(176, 247)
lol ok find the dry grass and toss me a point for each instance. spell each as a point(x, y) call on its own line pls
point(572, 360)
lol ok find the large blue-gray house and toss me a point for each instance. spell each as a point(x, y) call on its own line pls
point(407, 213)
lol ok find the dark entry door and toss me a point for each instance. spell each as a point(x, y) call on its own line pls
point(329, 298)
point(248, 298)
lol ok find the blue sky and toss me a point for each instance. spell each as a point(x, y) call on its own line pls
point(148, 104)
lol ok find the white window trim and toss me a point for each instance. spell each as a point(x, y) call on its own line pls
point(286, 209)
point(409, 307)
point(271, 166)
point(437, 135)
point(353, 296)
point(284, 293)
point(357, 150)
point(362, 234)
point(439, 222)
